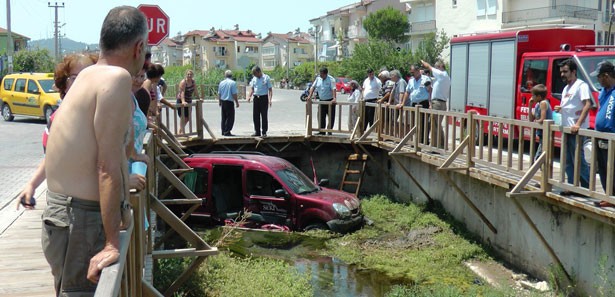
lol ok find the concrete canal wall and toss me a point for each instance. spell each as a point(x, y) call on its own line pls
point(583, 240)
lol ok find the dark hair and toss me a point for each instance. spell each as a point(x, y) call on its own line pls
point(256, 69)
point(122, 26)
point(324, 70)
point(63, 69)
point(369, 70)
point(153, 71)
point(540, 90)
point(572, 65)
point(160, 69)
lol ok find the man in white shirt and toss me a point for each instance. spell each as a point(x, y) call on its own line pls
point(574, 108)
point(440, 93)
point(371, 89)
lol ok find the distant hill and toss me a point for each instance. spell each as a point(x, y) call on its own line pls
point(66, 45)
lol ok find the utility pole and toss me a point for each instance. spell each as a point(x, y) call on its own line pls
point(9, 41)
point(57, 28)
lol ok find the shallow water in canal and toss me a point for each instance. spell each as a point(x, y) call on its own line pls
point(328, 275)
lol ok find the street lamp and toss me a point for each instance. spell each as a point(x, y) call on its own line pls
point(315, 32)
point(608, 36)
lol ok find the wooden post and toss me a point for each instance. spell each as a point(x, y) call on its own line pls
point(199, 118)
point(472, 139)
point(547, 148)
point(308, 115)
point(361, 118)
point(417, 125)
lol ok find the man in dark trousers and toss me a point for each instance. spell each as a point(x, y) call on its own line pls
point(605, 122)
point(260, 88)
point(227, 93)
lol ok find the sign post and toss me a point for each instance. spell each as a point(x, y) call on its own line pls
point(157, 23)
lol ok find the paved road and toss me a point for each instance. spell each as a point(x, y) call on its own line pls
point(20, 153)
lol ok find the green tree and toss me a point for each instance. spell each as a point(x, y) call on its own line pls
point(387, 24)
point(375, 54)
point(432, 46)
point(33, 61)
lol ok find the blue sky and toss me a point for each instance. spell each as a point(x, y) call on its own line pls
point(83, 18)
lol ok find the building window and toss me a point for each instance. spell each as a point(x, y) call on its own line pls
point(269, 63)
point(454, 3)
point(220, 50)
point(252, 49)
point(299, 51)
point(486, 7)
point(270, 50)
point(221, 64)
point(333, 32)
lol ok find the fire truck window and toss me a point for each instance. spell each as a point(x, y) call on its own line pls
point(534, 72)
point(261, 183)
point(557, 84)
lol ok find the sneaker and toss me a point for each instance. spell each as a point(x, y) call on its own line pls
point(264, 134)
point(320, 133)
point(329, 133)
point(229, 134)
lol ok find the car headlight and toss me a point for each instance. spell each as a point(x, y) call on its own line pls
point(341, 209)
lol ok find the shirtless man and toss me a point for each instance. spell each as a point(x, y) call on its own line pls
point(86, 161)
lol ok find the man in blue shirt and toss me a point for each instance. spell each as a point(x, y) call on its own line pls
point(260, 88)
point(325, 86)
point(419, 90)
point(227, 93)
point(605, 122)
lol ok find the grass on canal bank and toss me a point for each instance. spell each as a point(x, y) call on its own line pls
point(408, 244)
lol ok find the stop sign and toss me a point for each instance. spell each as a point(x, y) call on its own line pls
point(157, 23)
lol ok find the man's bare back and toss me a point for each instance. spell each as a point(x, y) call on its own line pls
point(98, 106)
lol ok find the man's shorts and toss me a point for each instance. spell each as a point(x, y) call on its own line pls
point(72, 234)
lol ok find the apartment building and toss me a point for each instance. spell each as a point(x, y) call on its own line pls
point(193, 48)
point(474, 16)
point(169, 52)
point(286, 50)
point(340, 30)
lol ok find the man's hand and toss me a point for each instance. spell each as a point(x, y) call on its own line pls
point(104, 258)
point(26, 193)
point(574, 128)
point(141, 158)
point(136, 181)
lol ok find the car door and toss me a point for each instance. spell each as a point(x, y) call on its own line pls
point(18, 97)
point(33, 99)
point(264, 206)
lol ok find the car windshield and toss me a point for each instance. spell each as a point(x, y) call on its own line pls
point(47, 85)
point(590, 64)
point(296, 180)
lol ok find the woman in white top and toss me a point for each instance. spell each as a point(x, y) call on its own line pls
point(354, 97)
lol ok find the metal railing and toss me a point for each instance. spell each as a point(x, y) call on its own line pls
point(204, 91)
point(554, 11)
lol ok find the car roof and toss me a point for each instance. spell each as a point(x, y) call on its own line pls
point(37, 75)
point(238, 159)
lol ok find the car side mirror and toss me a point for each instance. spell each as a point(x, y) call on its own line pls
point(280, 193)
point(323, 182)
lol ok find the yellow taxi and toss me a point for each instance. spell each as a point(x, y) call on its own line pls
point(28, 94)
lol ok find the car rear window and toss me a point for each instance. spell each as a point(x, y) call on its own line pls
point(8, 83)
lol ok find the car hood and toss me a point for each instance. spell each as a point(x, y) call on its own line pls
point(335, 196)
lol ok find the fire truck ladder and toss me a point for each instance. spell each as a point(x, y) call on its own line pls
point(355, 166)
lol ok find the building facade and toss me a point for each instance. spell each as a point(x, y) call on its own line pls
point(169, 52)
point(286, 50)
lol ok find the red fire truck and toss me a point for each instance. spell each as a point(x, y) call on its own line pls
point(493, 73)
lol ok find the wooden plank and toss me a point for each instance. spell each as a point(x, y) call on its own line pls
point(190, 252)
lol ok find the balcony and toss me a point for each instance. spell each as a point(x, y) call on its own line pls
point(423, 27)
point(551, 12)
point(356, 32)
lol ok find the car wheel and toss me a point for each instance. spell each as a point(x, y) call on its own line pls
point(7, 115)
point(48, 112)
point(303, 97)
point(316, 226)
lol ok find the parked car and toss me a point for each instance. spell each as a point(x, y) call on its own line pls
point(28, 94)
point(271, 189)
point(342, 84)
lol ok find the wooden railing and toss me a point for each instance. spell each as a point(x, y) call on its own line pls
point(204, 91)
point(481, 142)
point(132, 275)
